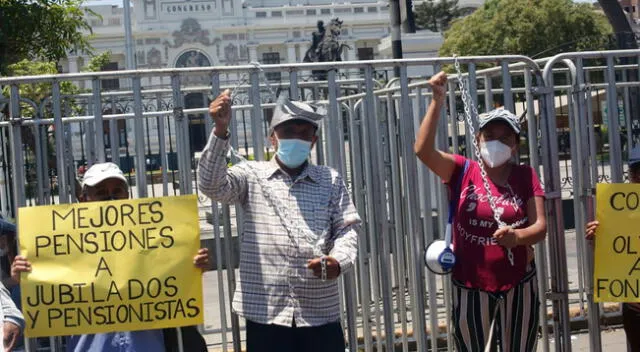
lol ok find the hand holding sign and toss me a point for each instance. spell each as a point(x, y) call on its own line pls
point(591, 229)
point(20, 265)
point(201, 260)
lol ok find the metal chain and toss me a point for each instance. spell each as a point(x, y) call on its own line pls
point(241, 80)
point(469, 107)
point(281, 209)
point(320, 248)
point(285, 214)
point(319, 244)
point(263, 77)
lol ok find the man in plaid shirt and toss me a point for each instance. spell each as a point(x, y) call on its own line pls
point(299, 233)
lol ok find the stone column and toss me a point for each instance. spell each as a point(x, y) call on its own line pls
point(291, 53)
point(304, 46)
point(253, 52)
point(73, 64)
point(351, 55)
point(74, 67)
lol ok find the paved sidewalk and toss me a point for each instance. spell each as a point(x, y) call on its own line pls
point(613, 340)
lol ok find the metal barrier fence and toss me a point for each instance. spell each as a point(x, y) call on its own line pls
point(389, 300)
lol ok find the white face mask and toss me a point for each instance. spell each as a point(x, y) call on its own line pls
point(495, 153)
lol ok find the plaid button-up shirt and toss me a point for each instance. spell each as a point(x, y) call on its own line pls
point(275, 286)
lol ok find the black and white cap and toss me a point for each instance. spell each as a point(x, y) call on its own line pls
point(500, 114)
point(287, 110)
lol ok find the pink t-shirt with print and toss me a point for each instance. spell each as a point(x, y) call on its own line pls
point(481, 262)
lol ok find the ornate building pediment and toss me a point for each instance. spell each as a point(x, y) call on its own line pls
point(191, 32)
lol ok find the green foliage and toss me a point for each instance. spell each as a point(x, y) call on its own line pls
point(36, 92)
point(43, 30)
point(535, 28)
point(97, 62)
point(437, 15)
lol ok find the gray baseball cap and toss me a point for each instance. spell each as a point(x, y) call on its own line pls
point(287, 110)
point(500, 114)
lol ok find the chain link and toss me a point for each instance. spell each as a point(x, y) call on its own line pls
point(323, 265)
point(319, 244)
point(240, 81)
point(470, 107)
point(243, 79)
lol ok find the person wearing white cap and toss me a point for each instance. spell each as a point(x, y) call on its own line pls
point(630, 311)
point(299, 232)
point(103, 182)
point(495, 291)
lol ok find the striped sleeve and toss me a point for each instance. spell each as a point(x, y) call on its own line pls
point(345, 223)
point(216, 180)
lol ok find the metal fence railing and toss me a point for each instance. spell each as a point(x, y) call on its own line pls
point(389, 300)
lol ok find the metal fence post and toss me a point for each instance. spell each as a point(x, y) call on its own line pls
point(98, 124)
point(559, 284)
point(256, 116)
point(138, 131)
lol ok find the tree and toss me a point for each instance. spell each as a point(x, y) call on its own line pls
point(437, 16)
point(98, 62)
point(38, 93)
point(44, 30)
point(534, 28)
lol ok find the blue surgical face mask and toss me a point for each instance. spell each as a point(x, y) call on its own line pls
point(293, 152)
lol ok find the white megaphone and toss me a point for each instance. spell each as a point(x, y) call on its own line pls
point(439, 256)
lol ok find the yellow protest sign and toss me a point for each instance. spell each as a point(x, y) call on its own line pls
point(111, 266)
point(617, 246)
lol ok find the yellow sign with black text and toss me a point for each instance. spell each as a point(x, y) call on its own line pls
point(617, 243)
point(110, 266)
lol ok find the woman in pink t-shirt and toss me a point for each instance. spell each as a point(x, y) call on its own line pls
point(495, 296)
